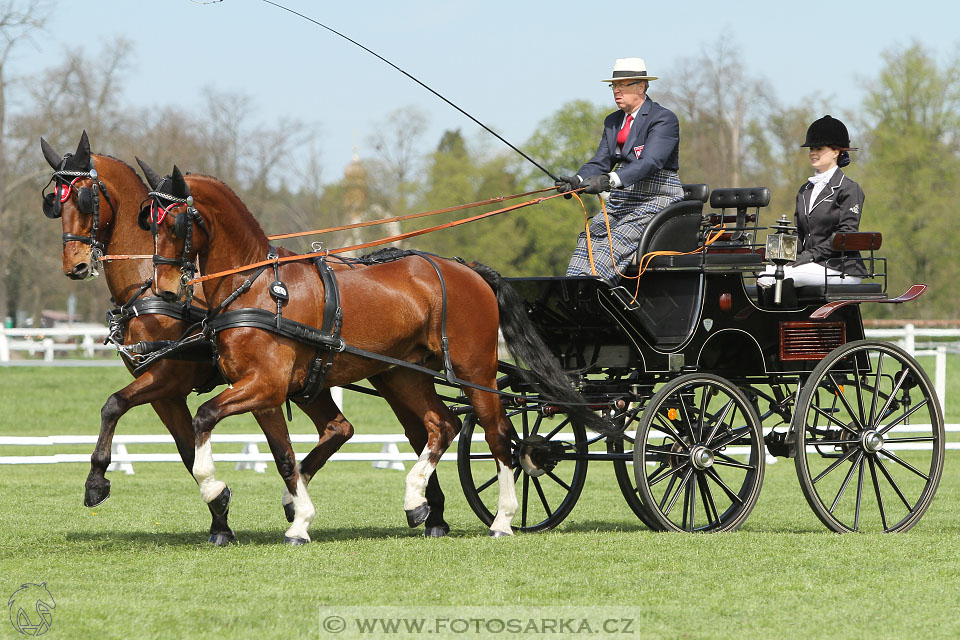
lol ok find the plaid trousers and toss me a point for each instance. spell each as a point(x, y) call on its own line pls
point(630, 210)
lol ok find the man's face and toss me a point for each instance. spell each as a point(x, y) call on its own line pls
point(629, 94)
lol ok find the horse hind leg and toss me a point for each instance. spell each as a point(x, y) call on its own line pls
point(497, 430)
point(403, 391)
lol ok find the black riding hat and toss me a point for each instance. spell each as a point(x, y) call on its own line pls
point(827, 132)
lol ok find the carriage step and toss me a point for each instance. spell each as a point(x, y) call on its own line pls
point(780, 444)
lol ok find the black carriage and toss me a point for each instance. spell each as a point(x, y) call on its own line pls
point(708, 375)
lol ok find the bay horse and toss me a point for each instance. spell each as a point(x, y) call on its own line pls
point(418, 309)
point(108, 225)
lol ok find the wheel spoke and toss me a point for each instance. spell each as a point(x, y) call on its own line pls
point(876, 491)
point(846, 481)
point(830, 418)
point(669, 430)
point(913, 439)
point(692, 501)
point(893, 484)
point(674, 472)
point(713, 475)
point(666, 494)
point(543, 498)
point(892, 395)
point(557, 429)
point(876, 389)
point(843, 400)
point(681, 488)
point(730, 462)
point(560, 482)
point(833, 466)
point(821, 441)
point(489, 482)
point(536, 424)
point(904, 463)
point(856, 514)
point(906, 415)
point(709, 506)
point(730, 438)
point(704, 401)
point(719, 421)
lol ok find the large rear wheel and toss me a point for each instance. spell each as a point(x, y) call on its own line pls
point(698, 459)
point(870, 439)
point(549, 469)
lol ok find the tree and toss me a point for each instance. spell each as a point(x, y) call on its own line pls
point(910, 177)
point(18, 21)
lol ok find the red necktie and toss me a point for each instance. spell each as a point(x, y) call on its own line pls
point(624, 130)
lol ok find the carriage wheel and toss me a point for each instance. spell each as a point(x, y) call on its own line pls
point(549, 469)
point(627, 420)
point(698, 458)
point(873, 439)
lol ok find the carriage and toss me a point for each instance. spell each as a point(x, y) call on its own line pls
point(702, 375)
point(709, 376)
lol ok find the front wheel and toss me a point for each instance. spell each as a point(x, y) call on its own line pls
point(698, 458)
point(870, 439)
point(549, 469)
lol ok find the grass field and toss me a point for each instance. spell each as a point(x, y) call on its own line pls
point(139, 566)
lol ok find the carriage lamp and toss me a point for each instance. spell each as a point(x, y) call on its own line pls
point(781, 249)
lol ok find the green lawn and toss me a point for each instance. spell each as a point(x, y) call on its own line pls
point(139, 566)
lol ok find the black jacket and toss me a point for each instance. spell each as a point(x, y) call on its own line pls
point(837, 209)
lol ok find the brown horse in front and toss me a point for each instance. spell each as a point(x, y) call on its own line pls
point(167, 383)
point(394, 309)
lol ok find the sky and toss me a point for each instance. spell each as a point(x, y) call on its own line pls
point(510, 64)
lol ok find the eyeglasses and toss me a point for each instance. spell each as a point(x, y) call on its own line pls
point(623, 85)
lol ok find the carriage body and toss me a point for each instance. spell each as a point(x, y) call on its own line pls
point(708, 379)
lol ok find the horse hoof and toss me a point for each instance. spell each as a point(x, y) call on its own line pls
point(499, 534)
point(295, 542)
point(289, 511)
point(95, 496)
point(222, 539)
point(416, 517)
point(437, 531)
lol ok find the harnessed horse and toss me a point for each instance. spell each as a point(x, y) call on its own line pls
point(81, 182)
point(394, 324)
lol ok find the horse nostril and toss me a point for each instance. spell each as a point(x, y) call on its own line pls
point(80, 271)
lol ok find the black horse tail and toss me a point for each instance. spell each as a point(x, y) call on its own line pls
point(528, 349)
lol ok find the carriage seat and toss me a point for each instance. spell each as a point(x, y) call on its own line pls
point(675, 227)
point(743, 231)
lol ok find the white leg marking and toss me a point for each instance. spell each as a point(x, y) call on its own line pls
point(506, 502)
point(287, 498)
point(303, 513)
point(210, 487)
point(417, 481)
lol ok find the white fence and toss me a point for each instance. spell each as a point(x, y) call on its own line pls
point(50, 342)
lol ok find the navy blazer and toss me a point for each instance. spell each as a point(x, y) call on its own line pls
point(837, 209)
point(652, 144)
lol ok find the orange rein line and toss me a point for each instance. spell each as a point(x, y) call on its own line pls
point(356, 225)
point(374, 243)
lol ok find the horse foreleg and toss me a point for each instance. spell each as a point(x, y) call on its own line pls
point(168, 401)
point(275, 429)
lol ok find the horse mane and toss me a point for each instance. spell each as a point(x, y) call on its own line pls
point(241, 207)
point(124, 164)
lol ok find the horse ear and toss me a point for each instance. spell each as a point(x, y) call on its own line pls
point(83, 150)
point(53, 158)
point(179, 187)
point(153, 178)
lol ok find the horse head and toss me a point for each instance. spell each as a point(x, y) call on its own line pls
point(168, 213)
point(82, 182)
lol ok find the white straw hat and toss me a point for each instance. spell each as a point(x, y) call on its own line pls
point(630, 69)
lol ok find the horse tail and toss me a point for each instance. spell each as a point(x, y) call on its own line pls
point(528, 348)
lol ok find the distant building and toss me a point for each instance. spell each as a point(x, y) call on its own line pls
point(357, 206)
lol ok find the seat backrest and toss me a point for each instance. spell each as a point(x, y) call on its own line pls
point(675, 228)
point(743, 230)
point(696, 192)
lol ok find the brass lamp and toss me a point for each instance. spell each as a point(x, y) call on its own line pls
point(781, 250)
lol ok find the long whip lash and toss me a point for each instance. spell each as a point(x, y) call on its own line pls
point(374, 53)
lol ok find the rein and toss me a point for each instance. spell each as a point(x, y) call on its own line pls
point(373, 243)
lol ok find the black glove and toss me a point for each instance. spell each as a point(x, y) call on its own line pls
point(568, 183)
point(597, 184)
point(804, 258)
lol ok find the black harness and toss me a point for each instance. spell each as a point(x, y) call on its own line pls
point(88, 202)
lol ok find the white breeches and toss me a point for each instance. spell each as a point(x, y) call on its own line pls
point(809, 274)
